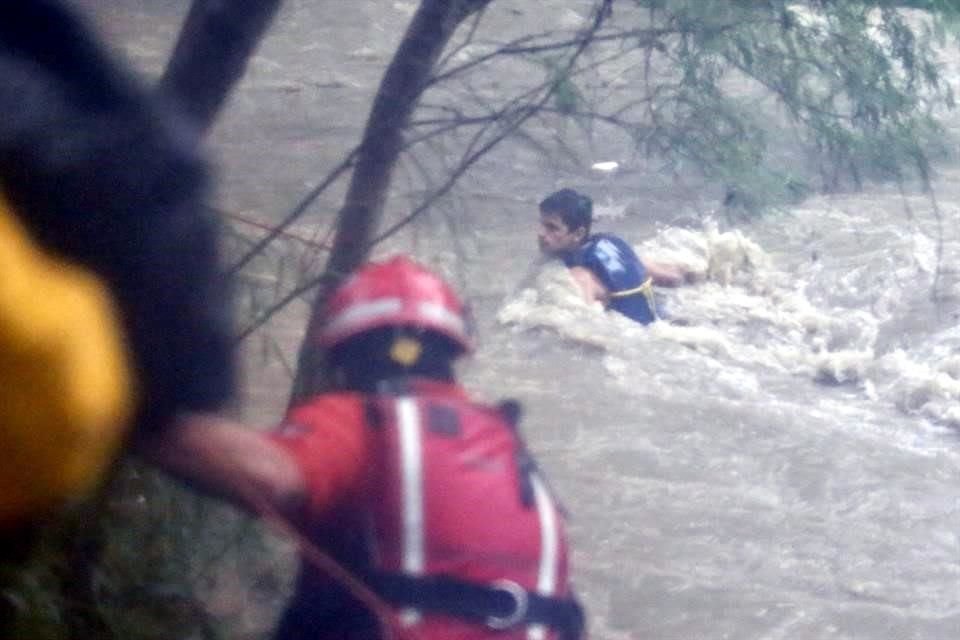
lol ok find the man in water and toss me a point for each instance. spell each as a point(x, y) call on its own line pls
point(604, 266)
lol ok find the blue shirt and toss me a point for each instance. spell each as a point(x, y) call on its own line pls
point(617, 267)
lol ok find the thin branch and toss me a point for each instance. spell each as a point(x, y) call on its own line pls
point(278, 306)
point(467, 41)
point(295, 213)
point(521, 115)
point(515, 49)
point(320, 246)
point(215, 43)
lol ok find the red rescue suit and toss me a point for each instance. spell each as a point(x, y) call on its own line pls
point(418, 491)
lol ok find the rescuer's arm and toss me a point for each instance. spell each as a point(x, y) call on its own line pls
point(333, 445)
point(317, 458)
point(226, 459)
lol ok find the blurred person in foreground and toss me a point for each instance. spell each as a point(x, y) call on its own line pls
point(605, 268)
point(112, 314)
point(427, 497)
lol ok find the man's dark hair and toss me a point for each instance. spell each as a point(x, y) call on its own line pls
point(575, 209)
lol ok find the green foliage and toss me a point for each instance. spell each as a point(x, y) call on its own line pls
point(857, 84)
point(567, 98)
point(29, 588)
point(158, 547)
point(860, 82)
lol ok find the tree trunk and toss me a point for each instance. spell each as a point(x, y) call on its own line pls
point(428, 33)
point(216, 41)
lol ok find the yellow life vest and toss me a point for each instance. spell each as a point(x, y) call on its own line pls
point(65, 380)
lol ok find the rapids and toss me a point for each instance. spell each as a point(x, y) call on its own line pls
point(782, 463)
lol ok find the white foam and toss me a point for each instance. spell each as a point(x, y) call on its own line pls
point(818, 320)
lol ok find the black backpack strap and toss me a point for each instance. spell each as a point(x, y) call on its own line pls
point(511, 411)
point(502, 604)
point(527, 466)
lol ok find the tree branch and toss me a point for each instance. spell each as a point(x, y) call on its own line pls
point(211, 54)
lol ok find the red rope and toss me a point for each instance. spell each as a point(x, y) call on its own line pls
point(324, 562)
point(266, 227)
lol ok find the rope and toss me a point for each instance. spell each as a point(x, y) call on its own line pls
point(310, 552)
point(645, 289)
point(323, 246)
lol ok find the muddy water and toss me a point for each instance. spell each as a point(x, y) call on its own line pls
point(781, 462)
point(782, 465)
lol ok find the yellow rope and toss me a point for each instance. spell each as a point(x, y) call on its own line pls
point(645, 289)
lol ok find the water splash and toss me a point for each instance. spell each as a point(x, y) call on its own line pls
point(820, 319)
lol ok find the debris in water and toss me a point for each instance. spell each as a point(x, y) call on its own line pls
point(606, 166)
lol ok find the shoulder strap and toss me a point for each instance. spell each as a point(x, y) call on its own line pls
point(511, 411)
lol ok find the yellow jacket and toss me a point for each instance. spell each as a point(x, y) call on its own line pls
point(65, 382)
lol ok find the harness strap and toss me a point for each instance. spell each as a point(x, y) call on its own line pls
point(499, 605)
point(646, 290)
point(526, 466)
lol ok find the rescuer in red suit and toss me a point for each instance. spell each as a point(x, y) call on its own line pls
point(429, 498)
